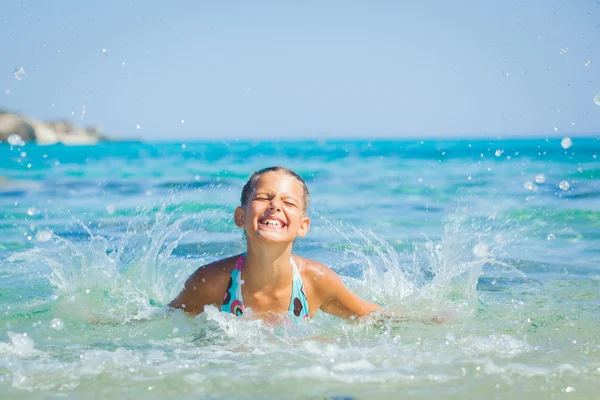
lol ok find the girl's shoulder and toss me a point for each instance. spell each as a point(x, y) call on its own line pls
point(310, 268)
point(205, 286)
point(215, 271)
point(318, 276)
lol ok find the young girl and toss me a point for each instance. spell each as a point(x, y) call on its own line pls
point(268, 278)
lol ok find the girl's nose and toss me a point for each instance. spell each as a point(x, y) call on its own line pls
point(275, 205)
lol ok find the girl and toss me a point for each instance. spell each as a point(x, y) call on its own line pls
point(268, 278)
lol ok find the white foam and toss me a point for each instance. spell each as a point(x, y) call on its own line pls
point(20, 344)
point(359, 365)
point(500, 345)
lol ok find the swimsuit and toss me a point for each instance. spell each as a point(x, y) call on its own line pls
point(234, 304)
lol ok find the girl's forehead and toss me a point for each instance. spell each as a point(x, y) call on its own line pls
point(277, 180)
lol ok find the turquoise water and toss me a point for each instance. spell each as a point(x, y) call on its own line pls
point(501, 238)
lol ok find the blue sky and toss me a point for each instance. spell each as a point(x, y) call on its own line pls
point(286, 69)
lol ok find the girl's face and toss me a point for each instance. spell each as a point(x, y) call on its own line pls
point(275, 210)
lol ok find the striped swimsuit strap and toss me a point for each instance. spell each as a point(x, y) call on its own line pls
point(233, 302)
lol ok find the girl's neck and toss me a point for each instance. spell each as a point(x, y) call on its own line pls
point(267, 269)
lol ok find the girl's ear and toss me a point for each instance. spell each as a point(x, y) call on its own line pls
point(239, 216)
point(304, 226)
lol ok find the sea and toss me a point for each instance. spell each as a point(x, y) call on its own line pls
point(484, 255)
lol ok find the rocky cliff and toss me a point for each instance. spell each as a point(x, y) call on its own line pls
point(31, 130)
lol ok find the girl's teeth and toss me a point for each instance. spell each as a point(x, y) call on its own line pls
point(271, 222)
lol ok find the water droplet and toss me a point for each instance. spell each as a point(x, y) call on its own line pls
point(587, 63)
point(528, 185)
point(569, 389)
point(43, 236)
point(566, 143)
point(498, 153)
point(564, 51)
point(597, 99)
point(480, 250)
point(183, 146)
point(541, 178)
point(23, 154)
point(57, 324)
point(138, 127)
point(19, 73)
point(550, 236)
point(104, 51)
point(564, 185)
point(183, 121)
point(32, 211)
point(110, 209)
point(15, 140)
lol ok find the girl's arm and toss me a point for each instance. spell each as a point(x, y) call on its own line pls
point(337, 299)
point(190, 299)
point(205, 286)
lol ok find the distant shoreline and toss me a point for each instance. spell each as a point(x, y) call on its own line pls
point(18, 128)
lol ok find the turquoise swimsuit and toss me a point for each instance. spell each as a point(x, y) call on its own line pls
point(233, 303)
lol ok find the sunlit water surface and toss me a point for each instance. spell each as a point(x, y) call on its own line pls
point(499, 238)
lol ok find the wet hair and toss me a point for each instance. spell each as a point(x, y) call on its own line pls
point(249, 186)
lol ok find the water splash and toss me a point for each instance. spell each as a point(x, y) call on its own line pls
point(114, 279)
point(124, 278)
point(434, 278)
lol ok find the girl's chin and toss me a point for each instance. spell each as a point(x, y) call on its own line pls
point(271, 230)
point(270, 236)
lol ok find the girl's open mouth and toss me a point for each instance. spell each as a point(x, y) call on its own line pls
point(271, 222)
